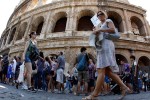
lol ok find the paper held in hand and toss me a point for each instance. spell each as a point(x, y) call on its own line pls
point(95, 20)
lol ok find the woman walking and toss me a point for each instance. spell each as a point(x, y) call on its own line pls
point(30, 45)
point(106, 61)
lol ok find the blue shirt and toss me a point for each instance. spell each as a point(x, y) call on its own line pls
point(61, 62)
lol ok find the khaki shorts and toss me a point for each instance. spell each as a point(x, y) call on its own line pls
point(83, 76)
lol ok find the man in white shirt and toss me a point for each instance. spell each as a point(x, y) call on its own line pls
point(14, 67)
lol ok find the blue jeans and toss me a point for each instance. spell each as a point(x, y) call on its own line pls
point(68, 85)
point(44, 84)
point(37, 77)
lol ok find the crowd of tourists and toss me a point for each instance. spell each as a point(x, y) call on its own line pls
point(48, 75)
point(34, 72)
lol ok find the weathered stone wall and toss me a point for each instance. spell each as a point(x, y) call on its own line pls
point(71, 40)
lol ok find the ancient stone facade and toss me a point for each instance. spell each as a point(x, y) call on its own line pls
point(64, 25)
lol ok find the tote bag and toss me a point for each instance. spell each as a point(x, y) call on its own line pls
point(21, 73)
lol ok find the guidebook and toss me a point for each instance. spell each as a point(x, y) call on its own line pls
point(95, 20)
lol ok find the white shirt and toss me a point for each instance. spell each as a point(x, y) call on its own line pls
point(14, 66)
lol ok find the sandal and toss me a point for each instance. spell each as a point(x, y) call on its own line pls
point(124, 93)
point(90, 97)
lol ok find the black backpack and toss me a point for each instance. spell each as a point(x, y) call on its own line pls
point(34, 53)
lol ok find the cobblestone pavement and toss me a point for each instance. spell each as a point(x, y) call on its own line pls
point(11, 93)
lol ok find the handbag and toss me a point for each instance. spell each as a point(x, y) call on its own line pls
point(34, 68)
point(112, 36)
point(21, 74)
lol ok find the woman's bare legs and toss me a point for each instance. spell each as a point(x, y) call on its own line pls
point(99, 83)
point(48, 78)
point(29, 73)
point(117, 79)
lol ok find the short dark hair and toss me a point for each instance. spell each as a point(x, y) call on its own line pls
point(132, 57)
point(52, 58)
point(47, 59)
point(32, 33)
point(83, 49)
point(19, 58)
point(41, 54)
point(15, 57)
point(61, 53)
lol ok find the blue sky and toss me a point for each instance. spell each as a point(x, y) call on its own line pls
point(8, 6)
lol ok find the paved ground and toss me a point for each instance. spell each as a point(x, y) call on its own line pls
point(11, 93)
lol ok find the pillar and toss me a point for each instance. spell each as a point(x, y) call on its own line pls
point(127, 20)
point(28, 27)
point(8, 37)
point(71, 21)
point(46, 23)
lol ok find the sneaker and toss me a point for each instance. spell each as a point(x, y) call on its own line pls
point(29, 89)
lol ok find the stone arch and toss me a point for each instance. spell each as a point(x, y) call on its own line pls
point(137, 26)
point(120, 57)
point(83, 20)
point(60, 21)
point(12, 35)
point(22, 30)
point(117, 19)
point(37, 25)
point(144, 63)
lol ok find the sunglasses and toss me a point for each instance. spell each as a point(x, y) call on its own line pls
point(100, 14)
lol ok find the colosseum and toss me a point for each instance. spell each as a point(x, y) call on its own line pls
point(64, 25)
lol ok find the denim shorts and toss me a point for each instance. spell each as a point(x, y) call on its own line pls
point(27, 59)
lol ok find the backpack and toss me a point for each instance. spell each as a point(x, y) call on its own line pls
point(34, 53)
point(82, 63)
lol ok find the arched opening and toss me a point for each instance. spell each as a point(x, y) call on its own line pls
point(144, 63)
point(22, 31)
point(37, 25)
point(5, 38)
point(39, 28)
point(85, 24)
point(137, 26)
point(12, 35)
point(60, 25)
point(84, 20)
point(120, 58)
point(117, 19)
